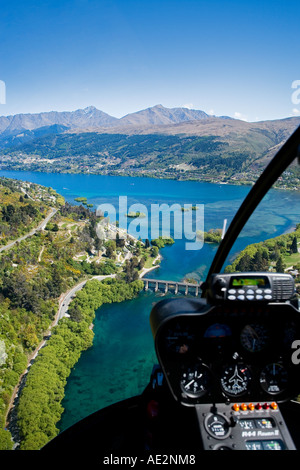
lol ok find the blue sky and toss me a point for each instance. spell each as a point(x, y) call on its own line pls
point(231, 57)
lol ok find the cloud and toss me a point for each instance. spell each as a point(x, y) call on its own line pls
point(240, 116)
point(295, 112)
point(188, 105)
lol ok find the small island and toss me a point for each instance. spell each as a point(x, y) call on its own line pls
point(133, 215)
point(161, 242)
point(83, 200)
point(193, 208)
point(212, 236)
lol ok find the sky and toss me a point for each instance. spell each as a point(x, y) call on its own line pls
point(234, 58)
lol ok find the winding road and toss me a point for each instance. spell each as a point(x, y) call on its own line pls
point(41, 226)
point(68, 296)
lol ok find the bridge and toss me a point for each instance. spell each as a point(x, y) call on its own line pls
point(171, 286)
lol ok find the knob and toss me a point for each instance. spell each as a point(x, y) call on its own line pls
point(219, 285)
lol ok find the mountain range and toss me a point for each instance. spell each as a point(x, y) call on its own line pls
point(12, 127)
point(20, 128)
point(157, 141)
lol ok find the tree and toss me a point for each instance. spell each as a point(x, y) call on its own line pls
point(294, 246)
point(110, 249)
point(154, 251)
point(279, 265)
point(260, 260)
point(244, 263)
point(6, 442)
point(120, 242)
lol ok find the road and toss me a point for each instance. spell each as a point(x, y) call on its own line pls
point(65, 301)
point(41, 226)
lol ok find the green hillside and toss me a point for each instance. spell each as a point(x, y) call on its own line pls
point(279, 254)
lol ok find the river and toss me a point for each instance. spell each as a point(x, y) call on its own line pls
point(120, 362)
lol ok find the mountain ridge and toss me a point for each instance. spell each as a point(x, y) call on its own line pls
point(91, 117)
point(161, 142)
point(153, 119)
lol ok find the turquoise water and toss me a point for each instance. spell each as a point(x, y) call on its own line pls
point(120, 362)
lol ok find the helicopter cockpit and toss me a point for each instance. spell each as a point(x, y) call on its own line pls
point(229, 362)
point(233, 360)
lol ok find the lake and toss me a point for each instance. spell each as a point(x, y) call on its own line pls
point(120, 362)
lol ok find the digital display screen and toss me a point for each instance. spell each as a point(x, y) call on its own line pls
point(241, 281)
point(265, 445)
point(264, 423)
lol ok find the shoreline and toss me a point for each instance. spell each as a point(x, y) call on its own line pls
point(146, 270)
point(232, 182)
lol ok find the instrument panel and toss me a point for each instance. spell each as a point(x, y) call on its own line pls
point(225, 353)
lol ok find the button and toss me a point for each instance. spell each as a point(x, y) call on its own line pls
point(266, 406)
point(250, 291)
point(251, 406)
point(259, 291)
point(250, 297)
point(258, 406)
point(259, 297)
point(241, 297)
point(236, 407)
point(231, 291)
point(268, 297)
point(268, 291)
point(231, 297)
point(243, 407)
point(241, 291)
point(274, 405)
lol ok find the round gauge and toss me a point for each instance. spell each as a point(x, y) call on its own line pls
point(254, 337)
point(195, 381)
point(179, 339)
point(217, 426)
point(235, 379)
point(274, 378)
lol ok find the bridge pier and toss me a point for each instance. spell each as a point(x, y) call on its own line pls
point(182, 287)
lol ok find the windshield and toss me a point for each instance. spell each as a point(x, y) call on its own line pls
point(270, 239)
point(130, 134)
